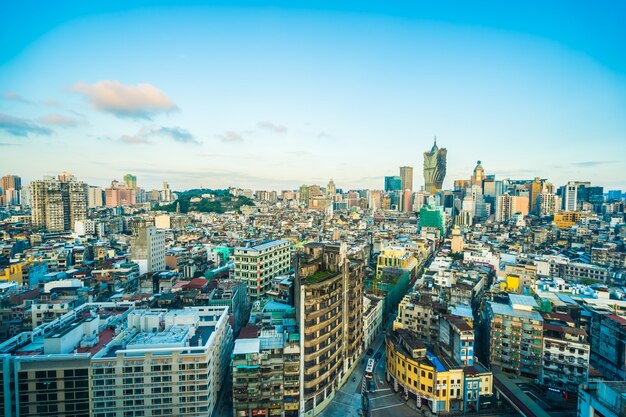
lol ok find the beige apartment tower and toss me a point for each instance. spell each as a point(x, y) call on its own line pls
point(329, 309)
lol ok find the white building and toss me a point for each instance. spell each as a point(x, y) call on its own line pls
point(570, 196)
point(164, 363)
point(148, 250)
point(260, 261)
point(372, 319)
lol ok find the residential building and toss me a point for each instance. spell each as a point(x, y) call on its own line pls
point(602, 398)
point(608, 344)
point(57, 204)
point(456, 335)
point(565, 363)
point(259, 261)
point(516, 334)
point(372, 318)
point(432, 379)
point(329, 305)
point(148, 249)
point(266, 368)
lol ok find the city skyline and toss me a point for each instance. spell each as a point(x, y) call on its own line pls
point(272, 96)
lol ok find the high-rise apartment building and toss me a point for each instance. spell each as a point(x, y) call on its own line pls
point(516, 335)
point(148, 249)
point(548, 204)
point(507, 205)
point(56, 204)
point(329, 308)
point(565, 357)
point(166, 193)
point(434, 168)
point(258, 262)
point(96, 197)
point(406, 178)
point(10, 186)
point(118, 195)
point(266, 365)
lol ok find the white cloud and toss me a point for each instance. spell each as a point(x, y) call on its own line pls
point(273, 127)
point(56, 119)
point(140, 101)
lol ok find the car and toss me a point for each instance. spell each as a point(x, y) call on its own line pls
point(370, 351)
point(378, 356)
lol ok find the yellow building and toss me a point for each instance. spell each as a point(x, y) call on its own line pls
point(12, 274)
point(421, 374)
point(510, 284)
point(568, 219)
point(395, 258)
point(434, 381)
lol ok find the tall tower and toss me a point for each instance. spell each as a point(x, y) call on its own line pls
point(434, 168)
point(130, 181)
point(331, 189)
point(478, 176)
point(406, 178)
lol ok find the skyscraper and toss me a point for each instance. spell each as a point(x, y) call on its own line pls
point(478, 176)
point(569, 196)
point(393, 183)
point(56, 204)
point(406, 178)
point(130, 181)
point(434, 168)
point(331, 189)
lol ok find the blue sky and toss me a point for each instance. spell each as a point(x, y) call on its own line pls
point(276, 94)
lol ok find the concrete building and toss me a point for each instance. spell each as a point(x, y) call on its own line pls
point(432, 379)
point(516, 334)
point(456, 335)
point(372, 318)
point(565, 363)
point(10, 186)
point(602, 398)
point(266, 366)
point(118, 195)
point(259, 261)
point(329, 305)
point(164, 363)
point(46, 371)
point(148, 249)
point(57, 204)
point(548, 204)
point(395, 260)
point(433, 218)
point(95, 197)
point(569, 196)
point(406, 178)
point(608, 344)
